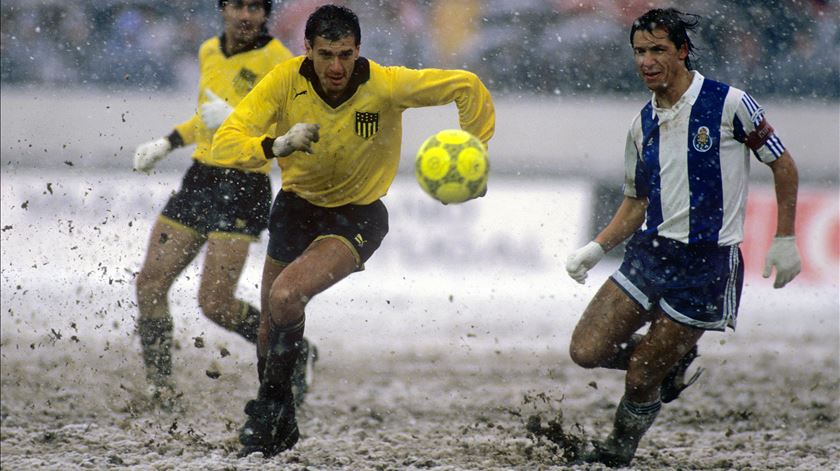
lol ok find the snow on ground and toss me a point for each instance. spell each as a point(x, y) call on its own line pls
point(434, 357)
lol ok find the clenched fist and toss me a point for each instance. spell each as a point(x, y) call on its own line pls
point(299, 138)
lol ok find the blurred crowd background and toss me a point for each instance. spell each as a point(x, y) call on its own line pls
point(783, 48)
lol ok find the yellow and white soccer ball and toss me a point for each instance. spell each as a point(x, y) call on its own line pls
point(452, 166)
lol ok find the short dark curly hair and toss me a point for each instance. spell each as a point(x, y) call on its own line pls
point(675, 22)
point(332, 22)
point(267, 4)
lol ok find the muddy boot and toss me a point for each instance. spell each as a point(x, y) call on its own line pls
point(164, 396)
point(675, 382)
point(271, 427)
point(631, 422)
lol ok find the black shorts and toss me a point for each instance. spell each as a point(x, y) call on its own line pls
point(296, 223)
point(215, 199)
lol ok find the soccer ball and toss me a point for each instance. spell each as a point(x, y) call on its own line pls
point(452, 166)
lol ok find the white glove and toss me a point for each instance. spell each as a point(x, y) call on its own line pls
point(785, 257)
point(214, 110)
point(149, 153)
point(581, 260)
point(300, 137)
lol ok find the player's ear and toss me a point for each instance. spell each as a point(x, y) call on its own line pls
point(308, 48)
point(683, 52)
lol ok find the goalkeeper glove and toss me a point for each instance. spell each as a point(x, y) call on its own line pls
point(581, 260)
point(149, 153)
point(299, 138)
point(785, 257)
point(214, 111)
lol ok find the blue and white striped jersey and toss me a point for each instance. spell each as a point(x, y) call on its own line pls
point(692, 162)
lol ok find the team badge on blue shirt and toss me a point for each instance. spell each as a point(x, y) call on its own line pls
point(702, 140)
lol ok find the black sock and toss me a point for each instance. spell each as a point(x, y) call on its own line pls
point(279, 362)
point(260, 366)
point(632, 420)
point(156, 341)
point(249, 323)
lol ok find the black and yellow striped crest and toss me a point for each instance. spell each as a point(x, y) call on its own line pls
point(244, 81)
point(366, 123)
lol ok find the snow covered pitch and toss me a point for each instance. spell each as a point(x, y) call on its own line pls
point(427, 361)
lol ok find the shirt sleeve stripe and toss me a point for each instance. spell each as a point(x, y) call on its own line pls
point(775, 145)
point(751, 105)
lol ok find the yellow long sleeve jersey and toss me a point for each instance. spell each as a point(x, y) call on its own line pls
point(231, 78)
point(358, 154)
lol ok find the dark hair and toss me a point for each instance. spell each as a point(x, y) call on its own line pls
point(675, 22)
point(266, 5)
point(332, 22)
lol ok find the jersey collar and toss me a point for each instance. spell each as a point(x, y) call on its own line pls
point(361, 74)
point(260, 42)
point(687, 99)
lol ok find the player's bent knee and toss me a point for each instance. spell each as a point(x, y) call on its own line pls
point(286, 305)
point(156, 278)
point(584, 357)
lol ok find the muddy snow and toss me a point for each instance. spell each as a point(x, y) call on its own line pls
point(438, 365)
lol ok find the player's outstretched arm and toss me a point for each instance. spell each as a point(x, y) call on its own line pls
point(149, 153)
point(783, 254)
point(433, 87)
point(629, 217)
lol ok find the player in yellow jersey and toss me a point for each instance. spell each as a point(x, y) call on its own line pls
point(222, 205)
point(339, 121)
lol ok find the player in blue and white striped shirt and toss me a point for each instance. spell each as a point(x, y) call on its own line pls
point(686, 173)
